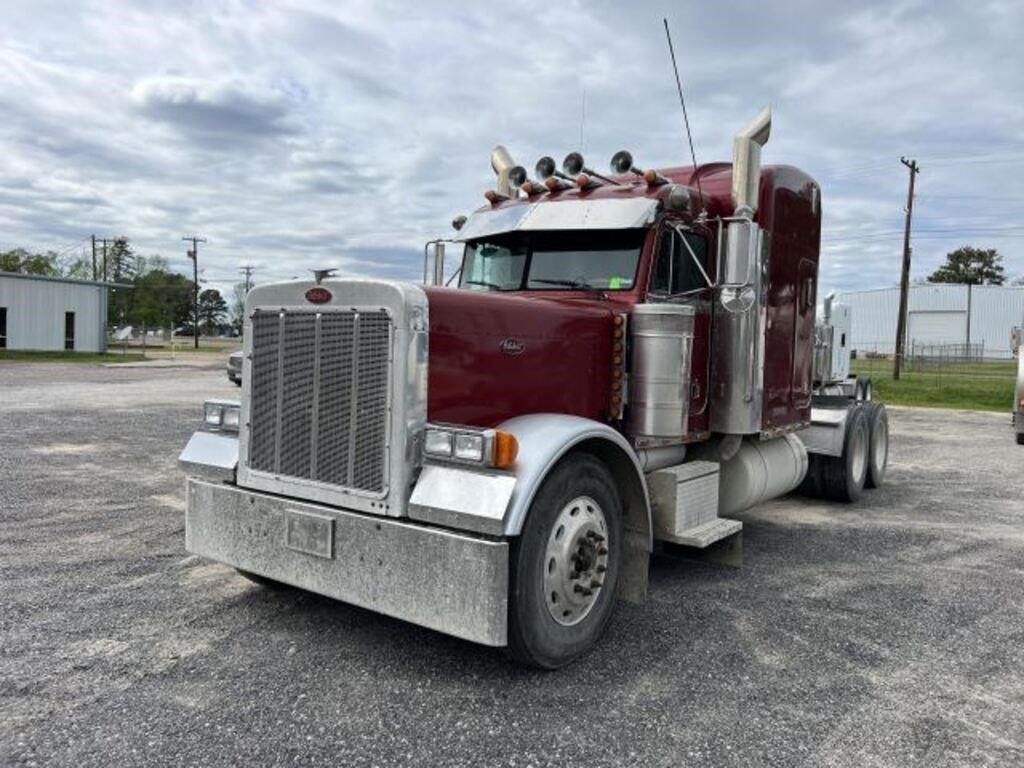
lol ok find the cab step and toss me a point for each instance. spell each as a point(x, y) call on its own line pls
point(706, 534)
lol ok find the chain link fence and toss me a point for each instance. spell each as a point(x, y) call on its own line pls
point(952, 358)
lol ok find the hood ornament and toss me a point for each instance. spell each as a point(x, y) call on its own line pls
point(511, 346)
point(320, 274)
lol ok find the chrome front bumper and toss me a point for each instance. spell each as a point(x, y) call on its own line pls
point(452, 582)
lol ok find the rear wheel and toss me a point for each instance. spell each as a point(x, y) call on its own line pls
point(565, 565)
point(1020, 438)
point(811, 484)
point(878, 444)
point(843, 476)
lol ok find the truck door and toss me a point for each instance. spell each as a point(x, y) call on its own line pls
point(677, 277)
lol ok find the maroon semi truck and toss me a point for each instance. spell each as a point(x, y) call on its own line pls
point(622, 360)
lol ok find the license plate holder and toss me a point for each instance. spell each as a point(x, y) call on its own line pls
point(309, 533)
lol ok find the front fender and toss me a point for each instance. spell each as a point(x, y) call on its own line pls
point(545, 438)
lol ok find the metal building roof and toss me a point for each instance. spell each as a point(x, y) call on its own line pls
point(73, 281)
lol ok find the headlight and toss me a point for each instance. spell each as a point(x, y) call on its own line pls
point(484, 447)
point(222, 415)
point(469, 447)
point(438, 442)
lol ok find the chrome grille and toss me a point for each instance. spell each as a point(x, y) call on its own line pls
point(319, 396)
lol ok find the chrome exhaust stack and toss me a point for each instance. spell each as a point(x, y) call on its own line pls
point(746, 162)
point(502, 163)
point(738, 381)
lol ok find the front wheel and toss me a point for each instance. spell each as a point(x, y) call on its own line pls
point(565, 565)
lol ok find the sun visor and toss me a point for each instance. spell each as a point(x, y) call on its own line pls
point(631, 213)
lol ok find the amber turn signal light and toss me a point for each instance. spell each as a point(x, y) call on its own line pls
point(505, 450)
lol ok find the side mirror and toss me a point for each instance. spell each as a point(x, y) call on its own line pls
point(439, 263)
point(742, 248)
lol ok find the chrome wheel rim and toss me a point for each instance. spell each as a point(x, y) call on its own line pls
point(880, 449)
point(575, 561)
point(859, 454)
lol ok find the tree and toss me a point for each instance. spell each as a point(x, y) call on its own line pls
point(77, 269)
point(976, 266)
point(20, 260)
point(212, 309)
point(144, 264)
point(160, 299)
point(121, 267)
point(238, 294)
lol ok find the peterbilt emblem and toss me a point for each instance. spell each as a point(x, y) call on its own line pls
point(512, 346)
point(318, 295)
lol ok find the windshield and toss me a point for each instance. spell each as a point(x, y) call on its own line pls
point(604, 260)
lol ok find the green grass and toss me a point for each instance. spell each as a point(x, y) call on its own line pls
point(33, 356)
point(984, 386)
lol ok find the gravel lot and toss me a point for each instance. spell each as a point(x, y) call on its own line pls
point(889, 633)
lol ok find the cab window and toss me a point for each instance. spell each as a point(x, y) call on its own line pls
point(674, 270)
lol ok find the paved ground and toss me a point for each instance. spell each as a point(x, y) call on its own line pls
point(889, 633)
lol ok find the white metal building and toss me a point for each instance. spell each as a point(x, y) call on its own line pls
point(937, 313)
point(52, 313)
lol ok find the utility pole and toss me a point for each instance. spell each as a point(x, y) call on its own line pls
point(247, 270)
point(194, 255)
point(104, 241)
point(901, 321)
point(94, 257)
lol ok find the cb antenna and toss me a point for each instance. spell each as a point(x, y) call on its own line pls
point(686, 119)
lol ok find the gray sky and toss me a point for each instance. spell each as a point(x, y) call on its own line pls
point(311, 134)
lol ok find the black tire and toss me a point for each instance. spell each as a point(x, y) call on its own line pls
point(1020, 438)
point(263, 581)
point(878, 445)
point(842, 477)
point(535, 638)
point(811, 484)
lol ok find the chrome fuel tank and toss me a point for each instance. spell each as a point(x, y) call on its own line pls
point(659, 382)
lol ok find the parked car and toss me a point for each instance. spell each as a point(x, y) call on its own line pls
point(235, 367)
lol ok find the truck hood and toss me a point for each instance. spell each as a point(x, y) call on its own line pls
point(493, 356)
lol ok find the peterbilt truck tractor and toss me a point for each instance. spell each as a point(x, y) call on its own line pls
point(622, 360)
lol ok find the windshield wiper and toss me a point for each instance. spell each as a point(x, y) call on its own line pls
point(566, 283)
point(574, 284)
point(484, 283)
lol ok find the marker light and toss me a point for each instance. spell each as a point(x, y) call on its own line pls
point(505, 449)
point(653, 178)
point(554, 183)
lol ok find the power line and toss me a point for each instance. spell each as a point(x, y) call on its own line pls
point(941, 232)
point(247, 270)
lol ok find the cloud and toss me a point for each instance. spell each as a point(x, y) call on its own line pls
point(348, 134)
point(213, 112)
